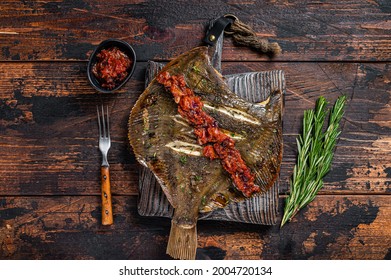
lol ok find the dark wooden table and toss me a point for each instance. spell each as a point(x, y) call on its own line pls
point(49, 161)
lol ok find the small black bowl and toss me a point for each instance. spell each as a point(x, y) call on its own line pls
point(121, 45)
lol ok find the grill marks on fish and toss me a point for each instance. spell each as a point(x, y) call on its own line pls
point(181, 121)
point(233, 113)
point(185, 148)
point(178, 119)
point(146, 120)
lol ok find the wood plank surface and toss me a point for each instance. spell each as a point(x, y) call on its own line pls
point(346, 227)
point(306, 30)
point(50, 163)
point(49, 129)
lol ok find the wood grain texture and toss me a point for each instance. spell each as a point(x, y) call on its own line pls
point(49, 163)
point(343, 227)
point(43, 152)
point(107, 208)
point(306, 30)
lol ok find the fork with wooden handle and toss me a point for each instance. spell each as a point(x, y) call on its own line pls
point(104, 146)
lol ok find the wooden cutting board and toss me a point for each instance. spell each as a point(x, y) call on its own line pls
point(263, 209)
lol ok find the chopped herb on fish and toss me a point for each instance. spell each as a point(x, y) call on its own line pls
point(198, 178)
point(196, 69)
point(183, 160)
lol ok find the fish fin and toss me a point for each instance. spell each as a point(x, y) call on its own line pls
point(182, 243)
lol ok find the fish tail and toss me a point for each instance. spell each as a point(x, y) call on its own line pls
point(182, 243)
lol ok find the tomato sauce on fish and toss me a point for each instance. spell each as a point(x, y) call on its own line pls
point(217, 145)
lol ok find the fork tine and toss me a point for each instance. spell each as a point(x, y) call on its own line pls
point(108, 122)
point(104, 123)
point(100, 128)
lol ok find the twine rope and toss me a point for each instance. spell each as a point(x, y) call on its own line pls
point(243, 34)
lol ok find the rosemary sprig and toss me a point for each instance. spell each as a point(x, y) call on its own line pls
point(315, 154)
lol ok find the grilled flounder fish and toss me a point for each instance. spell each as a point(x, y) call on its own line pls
point(219, 149)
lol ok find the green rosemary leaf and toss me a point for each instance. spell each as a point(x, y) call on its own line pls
point(315, 154)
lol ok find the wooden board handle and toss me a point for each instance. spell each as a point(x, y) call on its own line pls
point(107, 209)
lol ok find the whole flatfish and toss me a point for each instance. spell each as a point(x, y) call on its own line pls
point(206, 146)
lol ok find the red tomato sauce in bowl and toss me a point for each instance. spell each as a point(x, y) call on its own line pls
point(112, 67)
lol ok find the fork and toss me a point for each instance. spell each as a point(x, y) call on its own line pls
point(104, 146)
